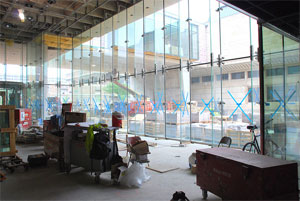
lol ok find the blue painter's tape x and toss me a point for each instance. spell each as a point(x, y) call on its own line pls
point(207, 106)
point(239, 105)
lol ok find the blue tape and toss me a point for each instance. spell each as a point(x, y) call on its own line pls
point(107, 105)
point(139, 103)
point(207, 106)
point(177, 106)
point(122, 105)
point(239, 105)
point(86, 103)
point(281, 102)
point(185, 100)
point(96, 110)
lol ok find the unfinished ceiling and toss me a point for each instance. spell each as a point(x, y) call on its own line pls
point(67, 17)
point(282, 14)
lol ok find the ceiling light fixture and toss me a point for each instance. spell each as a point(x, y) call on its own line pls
point(29, 18)
point(21, 15)
point(8, 25)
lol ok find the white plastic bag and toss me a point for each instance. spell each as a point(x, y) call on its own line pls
point(134, 176)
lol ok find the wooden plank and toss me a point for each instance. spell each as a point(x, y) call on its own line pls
point(8, 153)
point(162, 169)
point(12, 119)
point(12, 141)
point(7, 107)
point(9, 130)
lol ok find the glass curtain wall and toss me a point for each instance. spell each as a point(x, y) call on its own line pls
point(12, 66)
point(173, 71)
point(281, 70)
point(178, 69)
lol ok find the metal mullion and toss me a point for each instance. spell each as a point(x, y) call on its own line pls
point(126, 73)
point(72, 70)
point(221, 71)
point(144, 69)
point(284, 90)
point(164, 77)
point(189, 66)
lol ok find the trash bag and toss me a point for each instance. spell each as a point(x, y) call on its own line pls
point(134, 176)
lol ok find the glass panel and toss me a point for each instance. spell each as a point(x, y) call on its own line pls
point(135, 39)
point(200, 30)
point(95, 74)
point(120, 52)
point(274, 91)
point(238, 96)
point(4, 142)
point(202, 103)
point(154, 93)
point(120, 100)
point(177, 104)
point(235, 33)
point(107, 103)
point(77, 107)
point(51, 75)
point(86, 73)
point(13, 62)
point(106, 71)
point(172, 32)
point(154, 34)
point(2, 61)
point(292, 99)
point(135, 105)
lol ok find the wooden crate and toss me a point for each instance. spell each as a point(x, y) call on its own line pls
point(239, 138)
point(236, 175)
point(10, 109)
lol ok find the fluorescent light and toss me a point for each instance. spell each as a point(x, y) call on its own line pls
point(21, 15)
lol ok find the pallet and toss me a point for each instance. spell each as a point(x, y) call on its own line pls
point(12, 162)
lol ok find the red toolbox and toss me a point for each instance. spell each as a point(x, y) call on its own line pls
point(23, 116)
point(236, 175)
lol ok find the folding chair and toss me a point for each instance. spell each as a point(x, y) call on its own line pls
point(225, 142)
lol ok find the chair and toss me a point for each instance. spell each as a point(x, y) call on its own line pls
point(137, 149)
point(225, 142)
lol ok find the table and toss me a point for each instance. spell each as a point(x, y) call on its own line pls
point(75, 151)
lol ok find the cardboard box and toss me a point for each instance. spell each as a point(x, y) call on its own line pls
point(75, 117)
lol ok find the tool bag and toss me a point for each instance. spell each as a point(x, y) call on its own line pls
point(101, 147)
point(179, 196)
point(116, 161)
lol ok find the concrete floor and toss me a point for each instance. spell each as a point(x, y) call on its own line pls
point(47, 183)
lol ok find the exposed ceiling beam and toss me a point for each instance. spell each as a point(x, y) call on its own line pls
point(36, 10)
point(7, 12)
point(54, 27)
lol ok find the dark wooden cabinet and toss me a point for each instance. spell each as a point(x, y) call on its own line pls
point(236, 175)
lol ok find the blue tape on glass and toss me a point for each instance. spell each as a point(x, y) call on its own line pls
point(77, 103)
point(96, 109)
point(256, 96)
point(281, 102)
point(177, 105)
point(185, 101)
point(139, 107)
point(86, 103)
point(122, 105)
point(107, 105)
point(66, 99)
point(239, 105)
point(37, 105)
point(207, 106)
